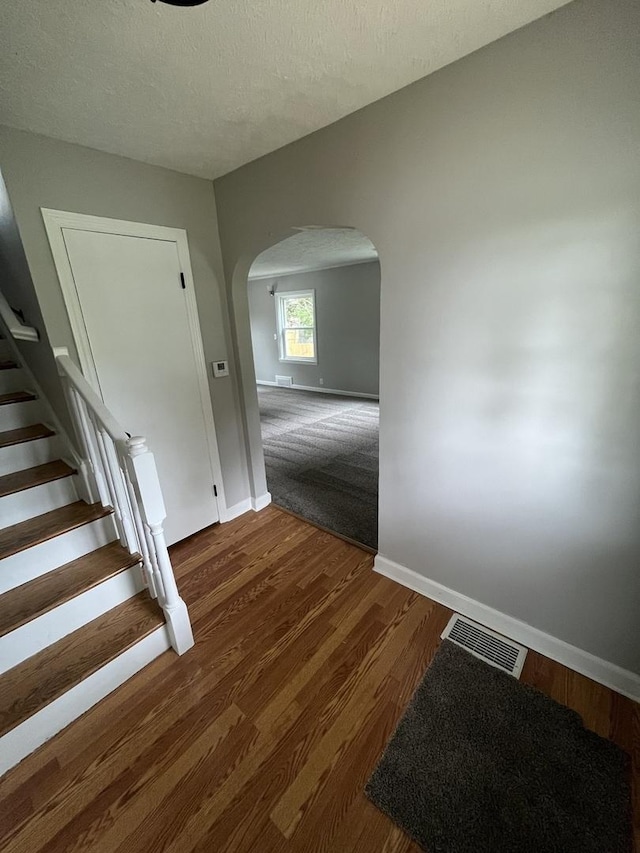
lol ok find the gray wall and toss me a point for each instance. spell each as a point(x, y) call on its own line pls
point(347, 328)
point(41, 172)
point(503, 196)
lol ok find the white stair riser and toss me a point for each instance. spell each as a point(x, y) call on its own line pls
point(11, 380)
point(37, 500)
point(28, 454)
point(39, 728)
point(68, 617)
point(16, 415)
point(32, 562)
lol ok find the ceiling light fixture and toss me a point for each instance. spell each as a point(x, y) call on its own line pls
point(182, 2)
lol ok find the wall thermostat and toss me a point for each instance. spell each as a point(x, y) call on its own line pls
point(220, 368)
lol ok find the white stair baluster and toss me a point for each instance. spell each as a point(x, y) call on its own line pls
point(127, 480)
point(147, 565)
point(144, 475)
point(120, 497)
point(87, 445)
point(109, 479)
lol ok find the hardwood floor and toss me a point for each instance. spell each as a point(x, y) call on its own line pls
point(22, 434)
point(24, 603)
point(42, 678)
point(28, 478)
point(262, 736)
point(25, 534)
point(16, 397)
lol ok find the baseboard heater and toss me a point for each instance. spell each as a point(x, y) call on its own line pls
point(485, 644)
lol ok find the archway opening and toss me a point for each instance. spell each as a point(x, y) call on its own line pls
point(314, 316)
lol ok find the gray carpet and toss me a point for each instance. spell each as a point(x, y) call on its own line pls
point(481, 763)
point(321, 456)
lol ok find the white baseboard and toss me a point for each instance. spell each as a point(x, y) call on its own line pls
point(621, 680)
point(261, 502)
point(248, 504)
point(322, 390)
point(25, 738)
point(230, 512)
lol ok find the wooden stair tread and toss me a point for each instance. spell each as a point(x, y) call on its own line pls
point(28, 433)
point(18, 481)
point(7, 364)
point(16, 397)
point(24, 603)
point(38, 681)
point(42, 527)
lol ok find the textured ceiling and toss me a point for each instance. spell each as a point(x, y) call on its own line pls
point(313, 250)
point(206, 89)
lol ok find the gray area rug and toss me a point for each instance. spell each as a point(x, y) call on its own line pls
point(481, 763)
point(321, 456)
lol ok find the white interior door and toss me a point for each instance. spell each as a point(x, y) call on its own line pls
point(135, 313)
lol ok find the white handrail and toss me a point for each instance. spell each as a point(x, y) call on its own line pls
point(124, 477)
point(15, 327)
point(75, 376)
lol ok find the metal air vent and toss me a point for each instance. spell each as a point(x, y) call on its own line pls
point(485, 644)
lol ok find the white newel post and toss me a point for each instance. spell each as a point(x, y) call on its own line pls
point(144, 478)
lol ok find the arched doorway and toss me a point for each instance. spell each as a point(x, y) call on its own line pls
point(308, 331)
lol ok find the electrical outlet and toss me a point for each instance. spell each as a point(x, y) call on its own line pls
point(321, 381)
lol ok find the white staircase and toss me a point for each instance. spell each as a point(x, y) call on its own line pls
point(87, 593)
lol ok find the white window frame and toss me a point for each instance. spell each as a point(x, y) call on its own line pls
point(280, 299)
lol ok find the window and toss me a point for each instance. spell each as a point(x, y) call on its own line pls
point(296, 317)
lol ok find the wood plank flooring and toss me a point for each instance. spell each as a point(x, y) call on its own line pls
point(39, 680)
point(25, 534)
point(22, 434)
point(30, 600)
point(262, 736)
point(28, 478)
point(16, 397)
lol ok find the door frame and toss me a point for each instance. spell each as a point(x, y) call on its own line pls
point(54, 222)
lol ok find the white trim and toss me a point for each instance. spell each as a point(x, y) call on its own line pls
point(28, 454)
point(54, 222)
point(47, 628)
point(36, 730)
point(319, 268)
point(609, 674)
point(321, 390)
point(31, 563)
point(261, 502)
point(281, 328)
point(236, 510)
point(248, 504)
point(21, 414)
point(37, 500)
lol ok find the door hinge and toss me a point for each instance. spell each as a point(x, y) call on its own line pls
point(215, 490)
point(184, 286)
